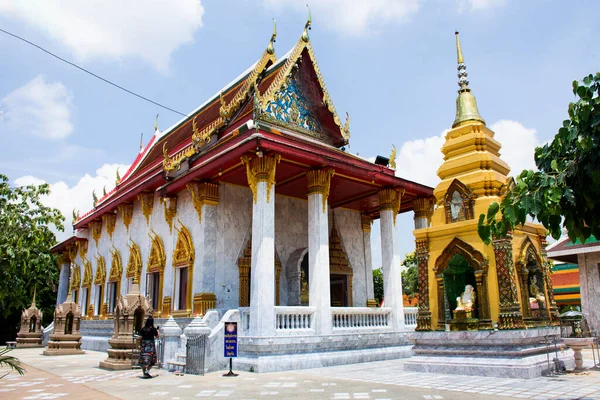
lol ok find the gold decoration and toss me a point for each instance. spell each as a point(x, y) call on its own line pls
point(147, 201)
point(75, 217)
point(94, 198)
point(319, 181)
point(261, 169)
point(166, 307)
point(391, 199)
point(118, 179)
point(203, 193)
point(184, 249)
point(75, 277)
point(100, 270)
point(227, 110)
point(304, 36)
point(116, 269)
point(286, 70)
point(204, 302)
point(104, 191)
point(96, 228)
point(109, 220)
point(87, 274)
point(82, 247)
point(170, 210)
point(365, 223)
point(126, 210)
point(158, 258)
point(134, 265)
point(393, 158)
point(466, 105)
point(203, 136)
point(423, 208)
point(156, 123)
point(338, 261)
point(244, 270)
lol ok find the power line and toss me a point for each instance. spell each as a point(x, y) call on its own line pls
point(91, 73)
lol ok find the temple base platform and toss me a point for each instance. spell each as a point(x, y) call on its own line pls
point(507, 354)
point(292, 353)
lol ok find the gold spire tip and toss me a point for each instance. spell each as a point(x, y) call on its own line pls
point(459, 55)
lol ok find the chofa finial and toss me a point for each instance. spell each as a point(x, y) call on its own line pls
point(307, 26)
point(271, 47)
point(156, 123)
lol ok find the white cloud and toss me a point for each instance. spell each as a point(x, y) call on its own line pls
point(148, 29)
point(79, 196)
point(355, 17)
point(418, 160)
point(39, 108)
point(478, 5)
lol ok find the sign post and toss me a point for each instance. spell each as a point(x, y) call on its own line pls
point(230, 347)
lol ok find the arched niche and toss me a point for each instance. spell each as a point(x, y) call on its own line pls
point(156, 273)
point(69, 323)
point(183, 263)
point(75, 283)
point(86, 287)
point(459, 255)
point(458, 202)
point(533, 284)
point(245, 273)
point(114, 280)
point(100, 281)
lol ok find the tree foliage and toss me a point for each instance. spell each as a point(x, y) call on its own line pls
point(378, 284)
point(410, 275)
point(26, 263)
point(566, 188)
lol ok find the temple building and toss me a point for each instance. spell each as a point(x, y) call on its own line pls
point(250, 203)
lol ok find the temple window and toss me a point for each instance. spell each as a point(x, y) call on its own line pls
point(112, 296)
point(85, 299)
point(74, 294)
point(458, 202)
point(152, 289)
point(181, 285)
point(99, 301)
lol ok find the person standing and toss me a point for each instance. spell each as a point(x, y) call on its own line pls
point(148, 348)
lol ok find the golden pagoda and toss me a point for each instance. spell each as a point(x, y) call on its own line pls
point(463, 283)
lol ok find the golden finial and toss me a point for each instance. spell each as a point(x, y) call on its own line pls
point(156, 123)
point(270, 47)
point(94, 197)
point(141, 141)
point(165, 152)
point(307, 26)
point(104, 191)
point(459, 55)
point(222, 99)
point(74, 216)
point(346, 128)
point(118, 180)
point(466, 105)
point(393, 158)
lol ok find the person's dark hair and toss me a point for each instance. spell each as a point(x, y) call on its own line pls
point(148, 326)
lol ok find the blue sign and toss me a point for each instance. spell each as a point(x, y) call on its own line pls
point(231, 339)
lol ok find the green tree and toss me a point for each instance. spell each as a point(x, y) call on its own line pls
point(566, 188)
point(410, 275)
point(26, 264)
point(378, 284)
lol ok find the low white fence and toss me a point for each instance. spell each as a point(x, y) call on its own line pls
point(294, 318)
point(360, 317)
point(410, 318)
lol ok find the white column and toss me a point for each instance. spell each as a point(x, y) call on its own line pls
point(261, 178)
point(63, 283)
point(366, 228)
point(318, 249)
point(389, 200)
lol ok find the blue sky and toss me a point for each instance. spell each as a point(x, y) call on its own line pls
point(390, 63)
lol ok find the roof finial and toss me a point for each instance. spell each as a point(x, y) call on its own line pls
point(156, 123)
point(118, 179)
point(141, 141)
point(466, 106)
point(307, 26)
point(271, 48)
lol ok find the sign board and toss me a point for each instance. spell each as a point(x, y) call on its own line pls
point(231, 334)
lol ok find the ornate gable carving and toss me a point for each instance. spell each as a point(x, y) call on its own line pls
point(116, 269)
point(134, 265)
point(100, 270)
point(157, 259)
point(184, 249)
point(87, 274)
point(458, 202)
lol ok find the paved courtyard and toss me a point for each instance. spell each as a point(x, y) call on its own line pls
point(79, 377)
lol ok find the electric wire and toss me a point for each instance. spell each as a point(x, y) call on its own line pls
point(91, 73)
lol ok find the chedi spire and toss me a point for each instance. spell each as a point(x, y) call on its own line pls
point(466, 105)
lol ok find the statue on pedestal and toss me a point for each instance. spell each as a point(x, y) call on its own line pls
point(537, 299)
point(466, 301)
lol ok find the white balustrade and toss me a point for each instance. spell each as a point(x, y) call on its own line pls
point(360, 317)
point(410, 318)
point(293, 318)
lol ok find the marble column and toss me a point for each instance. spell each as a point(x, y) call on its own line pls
point(261, 179)
point(366, 228)
point(318, 249)
point(389, 206)
point(63, 282)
